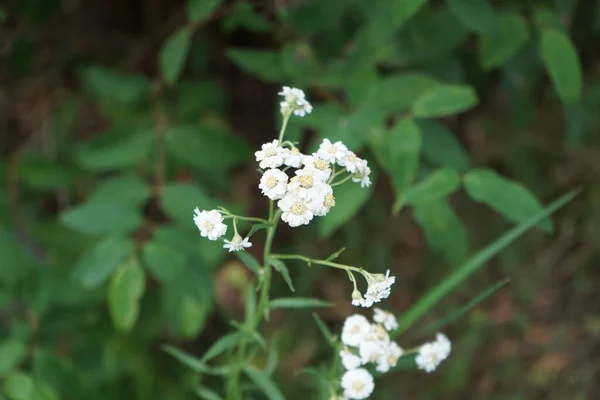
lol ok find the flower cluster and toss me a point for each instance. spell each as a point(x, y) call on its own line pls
point(211, 226)
point(367, 343)
point(294, 102)
point(309, 192)
point(379, 287)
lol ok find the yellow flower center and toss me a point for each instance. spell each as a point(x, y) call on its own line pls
point(306, 181)
point(270, 151)
point(358, 386)
point(209, 226)
point(298, 209)
point(352, 157)
point(271, 182)
point(320, 164)
point(329, 201)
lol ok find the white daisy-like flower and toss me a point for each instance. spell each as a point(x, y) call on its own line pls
point(297, 208)
point(355, 328)
point(390, 359)
point(306, 183)
point(273, 183)
point(371, 351)
point(332, 152)
point(387, 319)
point(270, 155)
point(351, 162)
point(237, 243)
point(320, 167)
point(325, 199)
point(379, 287)
point(292, 157)
point(357, 384)
point(362, 174)
point(431, 354)
point(210, 223)
point(295, 102)
point(349, 359)
point(378, 334)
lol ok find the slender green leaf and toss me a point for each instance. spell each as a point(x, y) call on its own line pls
point(186, 359)
point(124, 293)
point(477, 15)
point(224, 343)
point(283, 270)
point(562, 62)
point(511, 199)
point(97, 264)
point(249, 261)
point(435, 186)
point(207, 394)
point(444, 100)
point(198, 10)
point(174, 53)
point(264, 383)
point(323, 328)
point(299, 302)
point(498, 48)
point(433, 296)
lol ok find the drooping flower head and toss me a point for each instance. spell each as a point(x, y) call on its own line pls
point(237, 243)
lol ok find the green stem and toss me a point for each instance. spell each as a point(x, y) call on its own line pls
point(286, 118)
point(318, 262)
point(342, 181)
point(249, 219)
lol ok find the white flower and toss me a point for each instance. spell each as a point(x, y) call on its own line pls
point(362, 174)
point(325, 199)
point(293, 157)
point(355, 328)
point(273, 183)
point(357, 297)
point(349, 359)
point(379, 288)
point(306, 183)
point(357, 384)
point(378, 334)
point(319, 166)
point(371, 351)
point(297, 208)
point(431, 354)
point(210, 223)
point(387, 319)
point(351, 162)
point(390, 359)
point(236, 243)
point(332, 152)
point(270, 155)
point(294, 102)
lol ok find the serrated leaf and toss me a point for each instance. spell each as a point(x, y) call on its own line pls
point(477, 15)
point(173, 54)
point(349, 199)
point(444, 100)
point(96, 265)
point(223, 344)
point(264, 64)
point(298, 302)
point(186, 359)
point(511, 199)
point(443, 229)
point(120, 153)
point(435, 186)
point(441, 146)
point(283, 270)
point(198, 10)
point(562, 63)
point(100, 218)
point(178, 201)
point(264, 383)
point(110, 84)
point(124, 189)
point(12, 353)
point(124, 293)
point(163, 261)
point(512, 34)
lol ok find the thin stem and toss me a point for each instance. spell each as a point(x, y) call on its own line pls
point(286, 118)
point(342, 181)
point(318, 262)
point(249, 219)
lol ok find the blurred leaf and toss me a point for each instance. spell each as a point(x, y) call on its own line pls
point(433, 296)
point(186, 359)
point(186, 314)
point(173, 53)
point(264, 383)
point(299, 302)
point(163, 261)
point(207, 147)
point(511, 199)
point(444, 100)
point(249, 261)
point(99, 218)
point(243, 16)
point(443, 229)
point(196, 98)
point(562, 63)
point(349, 199)
point(323, 328)
point(512, 34)
point(123, 189)
point(97, 264)
point(476, 15)
point(123, 152)
point(12, 353)
point(435, 186)
point(207, 394)
point(442, 147)
point(17, 260)
point(124, 293)
point(403, 10)
point(43, 174)
point(105, 83)
point(283, 270)
point(198, 10)
point(22, 386)
point(263, 64)
point(178, 201)
point(223, 344)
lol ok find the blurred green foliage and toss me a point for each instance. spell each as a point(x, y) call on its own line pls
point(100, 263)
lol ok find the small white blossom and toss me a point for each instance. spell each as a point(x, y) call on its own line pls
point(270, 155)
point(390, 359)
point(325, 199)
point(297, 208)
point(295, 102)
point(349, 359)
point(362, 174)
point(357, 298)
point(237, 244)
point(273, 183)
point(357, 384)
point(320, 167)
point(355, 328)
point(378, 334)
point(332, 152)
point(351, 162)
point(210, 223)
point(431, 354)
point(293, 157)
point(371, 351)
point(306, 183)
point(379, 288)
point(387, 319)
